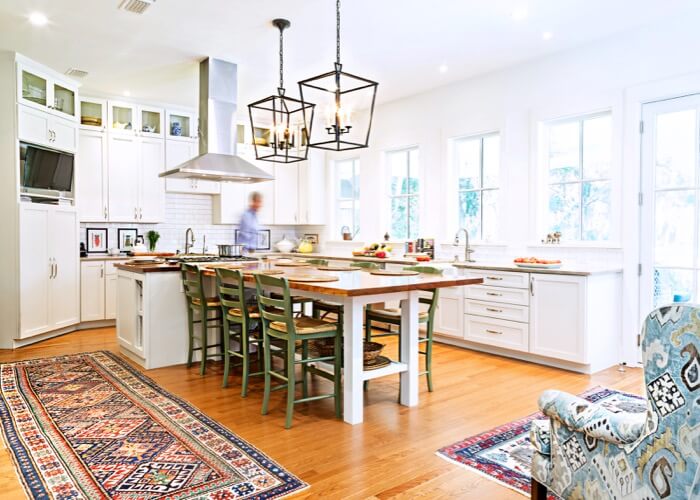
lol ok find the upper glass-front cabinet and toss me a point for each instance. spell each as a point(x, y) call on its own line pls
point(39, 90)
point(121, 117)
point(93, 113)
point(181, 125)
point(151, 121)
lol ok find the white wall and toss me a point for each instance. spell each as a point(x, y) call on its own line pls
point(603, 75)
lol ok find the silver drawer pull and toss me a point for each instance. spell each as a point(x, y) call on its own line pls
point(495, 332)
point(491, 309)
point(494, 294)
point(494, 278)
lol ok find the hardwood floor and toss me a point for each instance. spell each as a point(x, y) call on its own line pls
point(391, 455)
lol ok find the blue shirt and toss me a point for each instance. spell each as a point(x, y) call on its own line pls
point(248, 230)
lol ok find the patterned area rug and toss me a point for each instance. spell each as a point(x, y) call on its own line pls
point(504, 454)
point(90, 426)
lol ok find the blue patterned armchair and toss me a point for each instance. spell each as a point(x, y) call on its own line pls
point(590, 451)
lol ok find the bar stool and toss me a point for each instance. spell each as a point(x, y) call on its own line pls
point(393, 317)
point(317, 262)
point(279, 323)
point(207, 309)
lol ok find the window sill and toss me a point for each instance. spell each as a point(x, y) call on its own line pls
point(580, 245)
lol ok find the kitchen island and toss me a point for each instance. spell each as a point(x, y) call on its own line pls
point(152, 318)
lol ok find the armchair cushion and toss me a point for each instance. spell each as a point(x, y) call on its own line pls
point(593, 420)
point(540, 436)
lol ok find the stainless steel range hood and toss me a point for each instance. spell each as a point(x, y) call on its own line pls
point(217, 160)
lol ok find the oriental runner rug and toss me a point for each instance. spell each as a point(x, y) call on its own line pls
point(504, 454)
point(89, 426)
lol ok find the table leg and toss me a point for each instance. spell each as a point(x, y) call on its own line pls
point(409, 349)
point(352, 369)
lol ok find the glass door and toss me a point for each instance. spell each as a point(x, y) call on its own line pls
point(670, 225)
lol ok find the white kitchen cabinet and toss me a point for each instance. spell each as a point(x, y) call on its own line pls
point(41, 90)
point(151, 203)
point(181, 125)
point(448, 317)
point(230, 203)
point(558, 317)
point(49, 271)
point(496, 332)
point(110, 290)
point(93, 114)
point(91, 173)
point(130, 313)
point(92, 290)
point(43, 128)
point(123, 178)
point(312, 189)
point(122, 118)
point(151, 122)
point(286, 199)
point(178, 151)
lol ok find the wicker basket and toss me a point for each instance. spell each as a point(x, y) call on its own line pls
point(372, 350)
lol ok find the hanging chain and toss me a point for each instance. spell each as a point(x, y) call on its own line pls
point(281, 58)
point(337, 31)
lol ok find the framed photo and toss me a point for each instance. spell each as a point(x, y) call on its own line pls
point(96, 239)
point(127, 238)
point(263, 239)
point(311, 238)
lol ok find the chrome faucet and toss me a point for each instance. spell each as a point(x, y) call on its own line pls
point(467, 251)
point(189, 240)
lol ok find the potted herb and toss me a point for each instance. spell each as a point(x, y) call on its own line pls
point(153, 237)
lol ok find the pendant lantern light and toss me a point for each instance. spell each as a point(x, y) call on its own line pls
point(281, 124)
point(344, 105)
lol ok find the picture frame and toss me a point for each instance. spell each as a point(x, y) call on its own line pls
point(311, 238)
point(96, 239)
point(126, 238)
point(263, 239)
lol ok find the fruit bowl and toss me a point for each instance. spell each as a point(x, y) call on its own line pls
point(372, 350)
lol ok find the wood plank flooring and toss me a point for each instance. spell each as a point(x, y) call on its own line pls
point(391, 455)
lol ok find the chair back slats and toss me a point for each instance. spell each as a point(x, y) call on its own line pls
point(317, 262)
point(275, 309)
point(366, 265)
point(229, 285)
point(431, 302)
point(192, 283)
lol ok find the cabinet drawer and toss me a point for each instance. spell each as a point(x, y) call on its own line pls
point(501, 278)
point(498, 294)
point(500, 311)
point(496, 332)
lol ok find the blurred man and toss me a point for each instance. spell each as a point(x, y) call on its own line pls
point(248, 227)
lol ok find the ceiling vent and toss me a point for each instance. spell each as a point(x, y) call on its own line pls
point(76, 73)
point(136, 6)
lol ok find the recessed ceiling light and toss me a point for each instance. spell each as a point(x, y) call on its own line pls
point(519, 14)
point(547, 35)
point(38, 19)
point(126, 93)
point(443, 68)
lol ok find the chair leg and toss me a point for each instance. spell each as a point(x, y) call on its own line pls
point(538, 491)
point(291, 383)
point(267, 367)
point(337, 375)
point(227, 355)
point(429, 363)
point(245, 348)
point(203, 336)
point(190, 328)
point(304, 369)
point(368, 338)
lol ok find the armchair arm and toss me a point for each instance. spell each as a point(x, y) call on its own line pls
point(592, 419)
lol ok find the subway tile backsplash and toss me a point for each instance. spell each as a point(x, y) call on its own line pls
point(195, 211)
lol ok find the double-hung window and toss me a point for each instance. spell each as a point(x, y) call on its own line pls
point(347, 202)
point(477, 163)
point(404, 191)
point(578, 157)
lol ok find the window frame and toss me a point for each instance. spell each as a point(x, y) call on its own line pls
point(544, 199)
point(455, 168)
point(417, 195)
point(355, 201)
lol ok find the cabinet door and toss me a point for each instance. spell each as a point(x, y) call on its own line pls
point(34, 88)
point(181, 125)
point(123, 168)
point(65, 100)
point(557, 317)
point(110, 296)
point(176, 153)
point(152, 121)
point(229, 205)
point(152, 187)
point(35, 270)
point(449, 315)
point(93, 113)
point(92, 290)
point(34, 126)
point(266, 214)
point(64, 134)
point(128, 318)
point(65, 285)
point(312, 189)
point(122, 118)
point(91, 195)
point(286, 194)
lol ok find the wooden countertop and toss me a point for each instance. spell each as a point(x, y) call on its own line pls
point(350, 283)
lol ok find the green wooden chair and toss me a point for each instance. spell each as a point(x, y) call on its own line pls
point(239, 325)
point(202, 310)
point(279, 323)
point(317, 262)
point(366, 265)
point(393, 317)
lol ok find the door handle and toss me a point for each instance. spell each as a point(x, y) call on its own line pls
point(102, 272)
point(50, 268)
point(532, 287)
point(494, 278)
point(136, 213)
point(140, 213)
point(495, 332)
point(105, 212)
point(55, 264)
point(494, 294)
point(491, 309)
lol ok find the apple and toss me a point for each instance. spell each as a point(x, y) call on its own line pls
point(380, 254)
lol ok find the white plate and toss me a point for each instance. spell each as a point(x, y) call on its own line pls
point(525, 265)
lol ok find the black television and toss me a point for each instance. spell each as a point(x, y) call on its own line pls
point(45, 172)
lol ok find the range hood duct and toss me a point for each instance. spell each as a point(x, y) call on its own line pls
point(217, 160)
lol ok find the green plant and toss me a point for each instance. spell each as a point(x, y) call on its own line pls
point(153, 237)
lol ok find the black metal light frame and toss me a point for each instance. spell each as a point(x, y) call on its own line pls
point(335, 130)
point(282, 109)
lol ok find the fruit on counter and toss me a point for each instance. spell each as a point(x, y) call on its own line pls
point(381, 254)
point(423, 258)
point(535, 260)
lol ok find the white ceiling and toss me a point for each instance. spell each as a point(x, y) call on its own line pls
point(400, 43)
